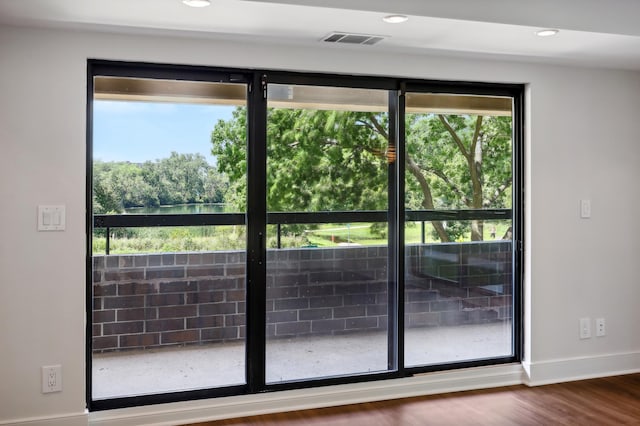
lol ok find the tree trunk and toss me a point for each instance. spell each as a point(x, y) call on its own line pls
point(427, 201)
point(475, 166)
point(477, 230)
point(474, 162)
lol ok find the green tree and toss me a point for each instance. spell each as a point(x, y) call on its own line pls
point(317, 160)
point(119, 185)
point(178, 179)
point(181, 178)
point(337, 160)
point(457, 162)
point(229, 140)
point(215, 187)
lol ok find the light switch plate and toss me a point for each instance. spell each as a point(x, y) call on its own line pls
point(51, 218)
point(585, 209)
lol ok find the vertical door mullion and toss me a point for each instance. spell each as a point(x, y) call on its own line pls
point(400, 203)
point(89, 241)
point(256, 233)
point(393, 302)
point(396, 232)
point(517, 221)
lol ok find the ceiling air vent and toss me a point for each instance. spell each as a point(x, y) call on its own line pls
point(352, 38)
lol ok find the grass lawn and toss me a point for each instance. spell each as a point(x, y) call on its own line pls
point(328, 235)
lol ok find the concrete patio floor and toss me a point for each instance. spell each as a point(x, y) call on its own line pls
point(134, 373)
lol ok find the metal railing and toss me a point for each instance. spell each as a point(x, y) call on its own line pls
point(109, 222)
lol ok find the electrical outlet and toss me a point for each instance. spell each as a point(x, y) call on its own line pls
point(51, 378)
point(585, 328)
point(600, 327)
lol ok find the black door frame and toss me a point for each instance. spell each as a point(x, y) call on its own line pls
point(257, 82)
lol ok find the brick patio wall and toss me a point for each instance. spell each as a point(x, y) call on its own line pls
point(152, 300)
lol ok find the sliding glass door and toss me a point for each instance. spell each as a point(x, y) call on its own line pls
point(259, 231)
point(458, 228)
point(168, 247)
point(327, 254)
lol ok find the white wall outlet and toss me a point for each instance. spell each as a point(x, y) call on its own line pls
point(585, 328)
point(51, 378)
point(585, 209)
point(600, 327)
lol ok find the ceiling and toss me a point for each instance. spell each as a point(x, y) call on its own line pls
point(592, 32)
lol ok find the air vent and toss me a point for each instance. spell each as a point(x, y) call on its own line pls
point(352, 38)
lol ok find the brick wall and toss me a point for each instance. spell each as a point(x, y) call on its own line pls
point(187, 298)
point(330, 290)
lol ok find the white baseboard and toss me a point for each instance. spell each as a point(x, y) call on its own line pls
point(249, 405)
point(580, 368)
point(531, 374)
point(80, 419)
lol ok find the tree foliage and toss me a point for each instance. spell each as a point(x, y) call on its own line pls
point(458, 162)
point(337, 160)
point(178, 179)
point(316, 160)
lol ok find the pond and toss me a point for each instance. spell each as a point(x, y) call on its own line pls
point(179, 209)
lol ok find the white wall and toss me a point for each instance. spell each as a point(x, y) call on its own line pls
point(582, 127)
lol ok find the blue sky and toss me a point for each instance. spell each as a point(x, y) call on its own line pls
point(141, 131)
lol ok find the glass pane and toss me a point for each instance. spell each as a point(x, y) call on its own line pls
point(458, 273)
point(168, 301)
point(326, 278)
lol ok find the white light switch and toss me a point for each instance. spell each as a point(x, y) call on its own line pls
point(51, 218)
point(585, 209)
point(46, 218)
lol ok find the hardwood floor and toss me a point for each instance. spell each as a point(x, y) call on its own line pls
point(606, 401)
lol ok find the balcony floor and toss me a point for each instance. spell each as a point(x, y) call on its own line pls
point(141, 372)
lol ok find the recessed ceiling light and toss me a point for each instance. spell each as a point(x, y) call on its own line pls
point(395, 19)
point(547, 33)
point(197, 3)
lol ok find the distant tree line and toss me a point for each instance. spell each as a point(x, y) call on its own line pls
point(179, 179)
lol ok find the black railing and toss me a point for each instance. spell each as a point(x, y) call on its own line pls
point(108, 222)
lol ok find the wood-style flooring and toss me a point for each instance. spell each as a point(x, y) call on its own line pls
point(606, 401)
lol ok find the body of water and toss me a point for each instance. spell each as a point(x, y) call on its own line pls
point(179, 209)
